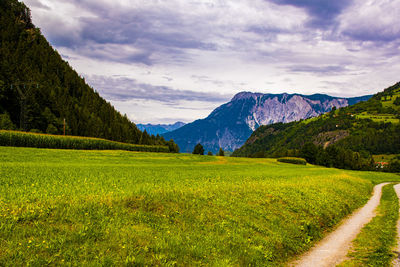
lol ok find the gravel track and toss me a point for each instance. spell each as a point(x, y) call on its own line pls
point(333, 249)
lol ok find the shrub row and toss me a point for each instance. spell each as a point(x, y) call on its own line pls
point(24, 139)
point(298, 161)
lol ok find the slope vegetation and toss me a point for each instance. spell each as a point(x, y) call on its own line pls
point(38, 90)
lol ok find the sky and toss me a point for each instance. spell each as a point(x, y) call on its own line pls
point(162, 61)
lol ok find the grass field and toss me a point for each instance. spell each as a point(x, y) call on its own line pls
point(129, 208)
point(387, 101)
point(379, 118)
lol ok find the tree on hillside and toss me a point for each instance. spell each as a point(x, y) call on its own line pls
point(221, 152)
point(309, 152)
point(198, 149)
point(209, 153)
point(397, 101)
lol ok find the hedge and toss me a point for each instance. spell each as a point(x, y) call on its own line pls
point(298, 161)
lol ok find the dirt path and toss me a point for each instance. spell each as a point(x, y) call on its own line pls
point(333, 249)
point(396, 261)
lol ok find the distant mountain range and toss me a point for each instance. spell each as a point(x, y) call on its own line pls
point(155, 129)
point(230, 125)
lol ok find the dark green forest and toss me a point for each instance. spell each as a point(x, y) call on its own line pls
point(344, 138)
point(38, 89)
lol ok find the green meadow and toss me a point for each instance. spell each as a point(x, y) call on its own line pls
point(106, 208)
point(386, 118)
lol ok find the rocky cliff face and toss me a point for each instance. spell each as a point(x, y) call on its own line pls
point(268, 109)
point(231, 124)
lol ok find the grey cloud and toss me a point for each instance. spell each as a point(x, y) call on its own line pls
point(37, 4)
point(65, 56)
point(116, 53)
point(268, 32)
point(151, 31)
point(125, 89)
point(167, 78)
point(219, 83)
point(323, 12)
point(326, 70)
point(111, 30)
point(57, 32)
point(369, 31)
point(374, 25)
point(203, 78)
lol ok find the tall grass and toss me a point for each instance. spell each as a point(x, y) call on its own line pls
point(24, 139)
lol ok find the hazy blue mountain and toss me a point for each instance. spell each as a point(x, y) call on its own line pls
point(230, 125)
point(160, 128)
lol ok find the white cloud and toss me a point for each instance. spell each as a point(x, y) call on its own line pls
point(372, 21)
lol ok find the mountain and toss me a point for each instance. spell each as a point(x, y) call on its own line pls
point(39, 90)
point(341, 138)
point(230, 125)
point(155, 129)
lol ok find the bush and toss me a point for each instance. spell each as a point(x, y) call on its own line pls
point(24, 139)
point(259, 154)
point(51, 129)
point(297, 161)
point(394, 166)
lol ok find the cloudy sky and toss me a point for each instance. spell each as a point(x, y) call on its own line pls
point(161, 61)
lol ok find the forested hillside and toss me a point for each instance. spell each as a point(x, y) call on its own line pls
point(344, 138)
point(34, 78)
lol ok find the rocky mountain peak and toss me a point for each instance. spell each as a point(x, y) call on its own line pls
point(245, 95)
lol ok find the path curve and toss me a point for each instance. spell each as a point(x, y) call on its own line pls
point(396, 261)
point(333, 249)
